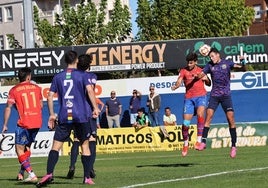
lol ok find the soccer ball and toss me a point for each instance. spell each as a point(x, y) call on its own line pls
point(204, 50)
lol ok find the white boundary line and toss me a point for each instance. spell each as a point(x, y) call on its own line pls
point(194, 177)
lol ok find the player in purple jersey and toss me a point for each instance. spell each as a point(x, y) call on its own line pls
point(71, 86)
point(84, 62)
point(220, 71)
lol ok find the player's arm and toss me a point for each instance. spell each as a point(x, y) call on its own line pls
point(41, 103)
point(7, 113)
point(52, 115)
point(207, 80)
point(41, 98)
point(92, 98)
point(200, 75)
point(177, 84)
point(242, 65)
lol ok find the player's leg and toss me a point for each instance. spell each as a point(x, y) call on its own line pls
point(73, 157)
point(227, 106)
point(92, 146)
point(212, 106)
point(83, 131)
point(98, 122)
point(185, 135)
point(24, 160)
point(187, 116)
point(62, 133)
point(201, 104)
point(23, 140)
point(20, 175)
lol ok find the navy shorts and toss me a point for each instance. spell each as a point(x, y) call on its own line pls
point(93, 127)
point(81, 130)
point(25, 136)
point(225, 101)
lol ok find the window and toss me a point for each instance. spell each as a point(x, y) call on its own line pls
point(257, 9)
point(1, 17)
point(1, 42)
point(110, 14)
point(9, 14)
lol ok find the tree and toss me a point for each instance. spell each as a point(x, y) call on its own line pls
point(84, 24)
point(13, 42)
point(118, 27)
point(184, 19)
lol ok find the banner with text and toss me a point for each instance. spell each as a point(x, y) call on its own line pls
point(119, 140)
point(39, 148)
point(123, 87)
point(134, 56)
point(123, 140)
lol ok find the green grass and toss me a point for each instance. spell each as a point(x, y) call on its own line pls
point(206, 169)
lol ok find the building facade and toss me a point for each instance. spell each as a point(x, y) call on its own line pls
point(260, 23)
point(11, 17)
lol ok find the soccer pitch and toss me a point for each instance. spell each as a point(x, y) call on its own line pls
point(200, 169)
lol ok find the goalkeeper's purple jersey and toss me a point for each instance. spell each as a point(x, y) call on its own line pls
point(70, 86)
point(220, 76)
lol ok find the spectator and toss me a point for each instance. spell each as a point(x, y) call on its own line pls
point(113, 111)
point(101, 106)
point(153, 104)
point(134, 105)
point(169, 118)
point(28, 101)
point(142, 120)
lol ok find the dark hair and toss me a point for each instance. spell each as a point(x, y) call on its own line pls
point(141, 110)
point(84, 62)
point(70, 57)
point(23, 73)
point(191, 57)
point(167, 108)
point(215, 50)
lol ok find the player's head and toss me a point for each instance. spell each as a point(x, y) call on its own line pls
point(84, 62)
point(214, 55)
point(191, 59)
point(70, 57)
point(24, 74)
